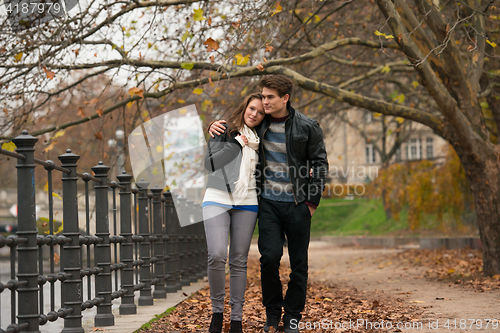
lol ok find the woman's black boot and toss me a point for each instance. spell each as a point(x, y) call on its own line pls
point(216, 323)
point(235, 327)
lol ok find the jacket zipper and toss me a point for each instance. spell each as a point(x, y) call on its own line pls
point(288, 162)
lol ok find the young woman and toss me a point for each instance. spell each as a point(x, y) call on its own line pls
point(230, 207)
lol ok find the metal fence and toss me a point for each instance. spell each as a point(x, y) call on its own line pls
point(151, 250)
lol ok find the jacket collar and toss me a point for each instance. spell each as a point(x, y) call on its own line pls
point(267, 120)
point(291, 113)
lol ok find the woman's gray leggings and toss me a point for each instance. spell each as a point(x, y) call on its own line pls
point(219, 223)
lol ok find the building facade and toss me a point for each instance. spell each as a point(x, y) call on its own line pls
point(355, 141)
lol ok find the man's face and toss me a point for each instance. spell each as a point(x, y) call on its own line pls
point(272, 102)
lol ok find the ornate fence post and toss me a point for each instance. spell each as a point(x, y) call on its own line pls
point(193, 240)
point(159, 271)
point(27, 252)
point(177, 245)
point(200, 239)
point(184, 243)
point(72, 251)
point(127, 305)
point(102, 250)
point(145, 297)
point(170, 239)
point(204, 251)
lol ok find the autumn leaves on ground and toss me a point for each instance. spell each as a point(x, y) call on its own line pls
point(342, 302)
point(462, 267)
point(325, 301)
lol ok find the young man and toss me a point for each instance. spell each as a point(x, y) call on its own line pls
point(291, 145)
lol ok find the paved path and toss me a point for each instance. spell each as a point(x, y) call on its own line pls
point(364, 269)
point(130, 323)
point(367, 271)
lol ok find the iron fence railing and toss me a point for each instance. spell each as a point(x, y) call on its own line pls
point(148, 248)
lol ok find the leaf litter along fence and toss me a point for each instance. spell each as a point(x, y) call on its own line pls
point(153, 249)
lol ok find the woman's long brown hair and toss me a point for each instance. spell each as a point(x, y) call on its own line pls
point(237, 119)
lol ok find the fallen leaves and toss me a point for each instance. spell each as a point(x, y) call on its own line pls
point(324, 301)
point(458, 266)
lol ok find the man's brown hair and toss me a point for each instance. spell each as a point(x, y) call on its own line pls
point(282, 84)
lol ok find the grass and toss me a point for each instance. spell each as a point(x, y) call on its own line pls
point(340, 217)
point(354, 217)
point(147, 325)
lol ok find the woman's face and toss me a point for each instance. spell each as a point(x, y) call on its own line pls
point(254, 113)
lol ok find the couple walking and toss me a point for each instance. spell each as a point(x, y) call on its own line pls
point(268, 161)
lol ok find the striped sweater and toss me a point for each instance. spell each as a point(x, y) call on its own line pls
point(277, 185)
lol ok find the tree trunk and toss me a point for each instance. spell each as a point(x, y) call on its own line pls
point(387, 206)
point(485, 187)
point(385, 201)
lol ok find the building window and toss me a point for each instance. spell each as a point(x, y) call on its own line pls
point(398, 154)
point(370, 153)
point(429, 148)
point(414, 149)
point(368, 117)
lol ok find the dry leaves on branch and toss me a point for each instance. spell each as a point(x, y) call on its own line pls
point(136, 91)
point(81, 112)
point(211, 44)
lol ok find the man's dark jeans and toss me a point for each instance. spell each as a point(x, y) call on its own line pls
point(278, 220)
